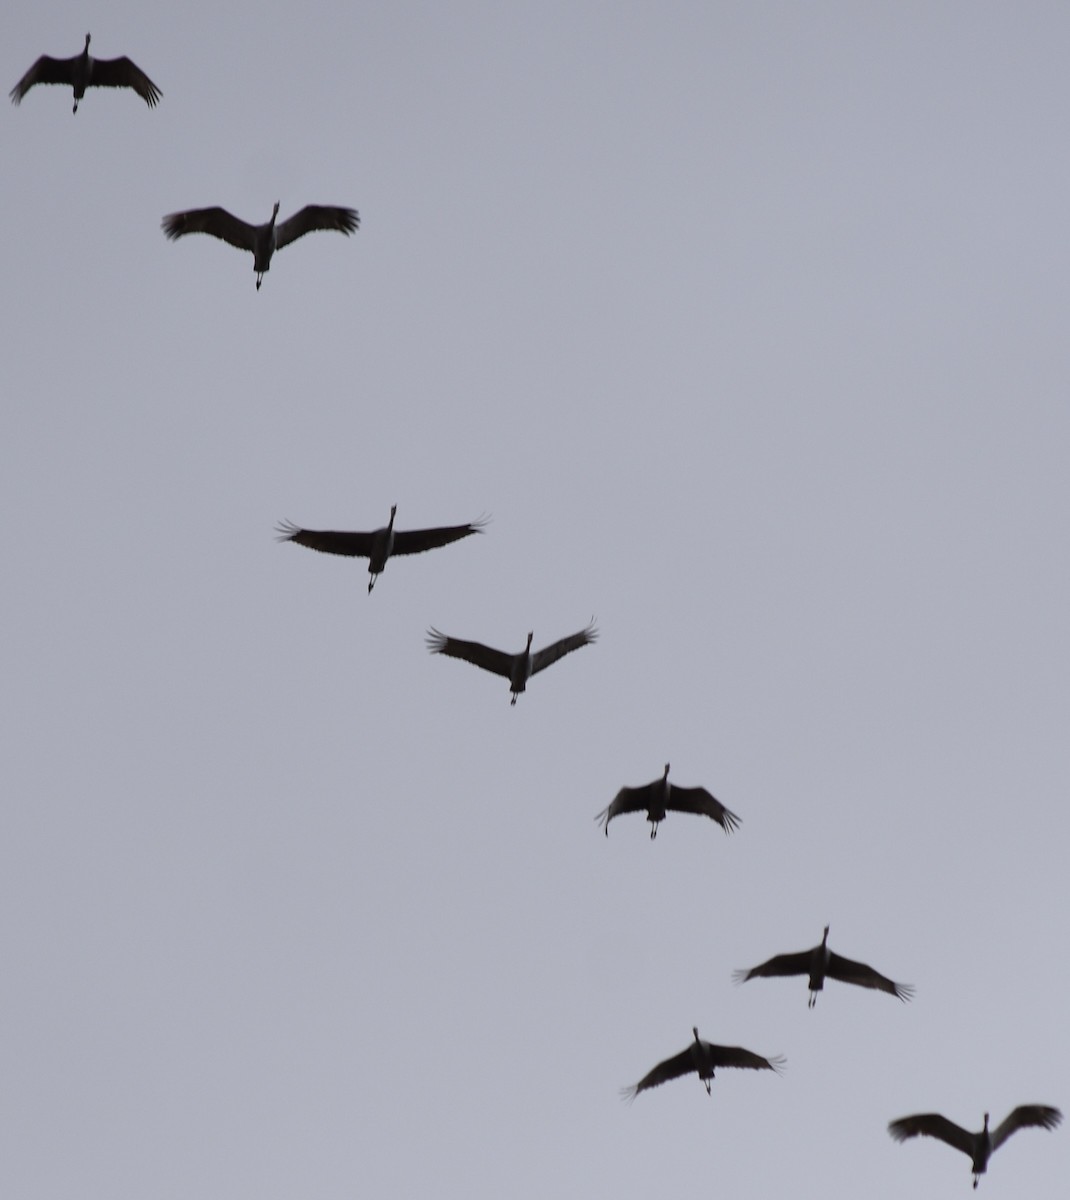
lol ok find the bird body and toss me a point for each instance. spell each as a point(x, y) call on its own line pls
point(84, 71)
point(821, 963)
point(261, 240)
point(517, 668)
point(704, 1058)
point(661, 796)
point(980, 1146)
point(380, 544)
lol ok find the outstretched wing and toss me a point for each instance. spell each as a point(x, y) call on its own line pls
point(736, 1056)
point(45, 70)
point(697, 800)
point(543, 658)
point(932, 1125)
point(495, 661)
point(315, 216)
point(329, 541)
point(848, 971)
point(1041, 1116)
point(627, 800)
point(121, 72)
point(671, 1068)
point(414, 541)
point(780, 964)
point(216, 221)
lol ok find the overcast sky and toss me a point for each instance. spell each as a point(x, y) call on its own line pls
point(748, 325)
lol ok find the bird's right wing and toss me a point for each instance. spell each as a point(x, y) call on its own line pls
point(932, 1125)
point(216, 221)
point(329, 541)
point(495, 661)
point(627, 800)
point(45, 70)
point(671, 1068)
point(780, 964)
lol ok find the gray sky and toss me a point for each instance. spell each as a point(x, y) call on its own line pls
point(747, 323)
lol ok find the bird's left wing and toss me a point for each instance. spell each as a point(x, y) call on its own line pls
point(413, 541)
point(316, 216)
point(671, 1068)
point(848, 971)
point(495, 661)
point(627, 800)
point(121, 72)
point(1041, 1116)
point(541, 659)
point(700, 802)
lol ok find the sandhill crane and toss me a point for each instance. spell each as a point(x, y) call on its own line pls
point(702, 1057)
point(83, 71)
point(380, 544)
point(978, 1146)
point(517, 668)
point(262, 240)
point(821, 963)
point(661, 796)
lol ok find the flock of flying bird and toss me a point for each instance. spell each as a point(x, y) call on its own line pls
point(657, 798)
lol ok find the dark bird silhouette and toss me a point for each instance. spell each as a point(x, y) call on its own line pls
point(661, 796)
point(821, 963)
point(978, 1147)
point(261, 240)
point(703, 1057)
point(84, 71)
point(380, 544)
point(517, 668)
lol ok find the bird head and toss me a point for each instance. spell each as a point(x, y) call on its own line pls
point(393, 511)
point(87, 41)
point(530, 636)
point(694, 1030)
point(275, 212)
point(666, 775)
point(825, 936)
point(985, 1130)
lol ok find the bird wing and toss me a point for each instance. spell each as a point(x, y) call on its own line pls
point(700, 802)
point(315, 216)
point(216, 221)
point(496, 661)
point(736, 1056)
point(541, 659)
point(45, 70)
point(848, 971)
point(671, 1068)
point(627, 800)
point(932, 1125)
point(330, 541)
point(780, 964)
point(1040, 1115)
point(121, 72)
point(413, 541)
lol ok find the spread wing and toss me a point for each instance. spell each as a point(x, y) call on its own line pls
point(414, 541)
point(627, 800)
point(543, 658)
point(495, 661)
point(697, 800)
point(45, 70)
point(671, 1068)
point(315, 216)
point(932, 1125)
point(736, 1056)
point(780, 964)
point(1042, 1116)
point(121, 72)
point(216, 221)
point(848, 971)
point(329, 541)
